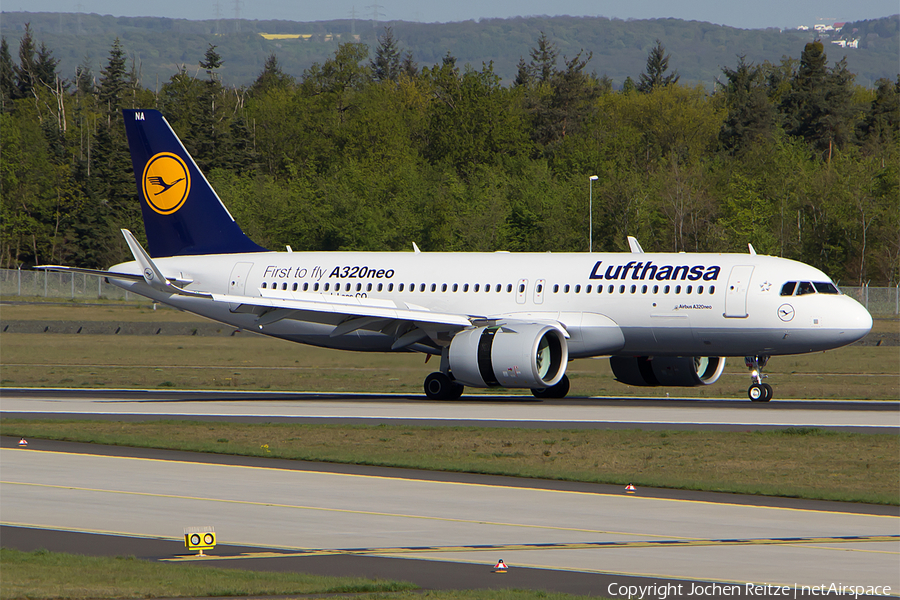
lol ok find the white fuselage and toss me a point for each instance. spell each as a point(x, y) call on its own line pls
point(609, 304)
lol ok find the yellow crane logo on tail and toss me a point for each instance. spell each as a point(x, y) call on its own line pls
point(166, 183)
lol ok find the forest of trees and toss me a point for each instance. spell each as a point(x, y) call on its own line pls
point(368, 151)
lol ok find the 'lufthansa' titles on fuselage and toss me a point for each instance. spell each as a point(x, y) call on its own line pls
point(641, 271)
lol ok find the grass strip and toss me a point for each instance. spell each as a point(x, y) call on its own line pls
point(43, 575)
point(253, 362)
point(794, 462)
point(49, 575)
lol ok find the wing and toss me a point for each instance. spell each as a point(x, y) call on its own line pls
point(409, 324)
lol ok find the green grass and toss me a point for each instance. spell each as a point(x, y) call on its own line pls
point(803, 463)
point(49, 575)
point(252, 362)
point(43, 575)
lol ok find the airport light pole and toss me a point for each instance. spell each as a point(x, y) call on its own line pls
point(591, 181)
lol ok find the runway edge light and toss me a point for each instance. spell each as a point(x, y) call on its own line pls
point(629, 489)
point(500, 567)
point(200, 538)
point(23, 442)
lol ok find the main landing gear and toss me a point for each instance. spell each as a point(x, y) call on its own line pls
point(439, 386)
point(759, 391)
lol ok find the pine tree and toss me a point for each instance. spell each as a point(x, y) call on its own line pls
point(7, 77)
point(386, 63)
point(657, 65)
point(569, 104)
point(271, 77)
point(818, 106)
point(211, 62)
point(543, 59)
point(751, 116)
point(523, 74)
point(25, 71)
point(205, 138)
point(882, 123)
point(409, 66)
point(45, 67)
point(113, 82)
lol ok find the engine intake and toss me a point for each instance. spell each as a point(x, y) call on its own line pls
point(517, 355)
point(680, 371)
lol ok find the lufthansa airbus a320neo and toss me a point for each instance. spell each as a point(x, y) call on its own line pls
point(495, 319)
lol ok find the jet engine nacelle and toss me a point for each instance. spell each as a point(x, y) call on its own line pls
point(682, 371)
point(516, 355)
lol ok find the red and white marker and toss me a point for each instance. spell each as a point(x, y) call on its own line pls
point(629, 489)
point(500, 567)
point(22, 442)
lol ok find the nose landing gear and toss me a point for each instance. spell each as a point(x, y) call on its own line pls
point(758, 391)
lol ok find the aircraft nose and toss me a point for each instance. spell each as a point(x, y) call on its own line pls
point(856, 321)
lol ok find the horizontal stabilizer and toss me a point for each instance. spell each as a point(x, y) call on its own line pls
point(102, 273)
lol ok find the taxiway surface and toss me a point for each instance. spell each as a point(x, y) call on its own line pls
point(497, 411)
point(279, 513)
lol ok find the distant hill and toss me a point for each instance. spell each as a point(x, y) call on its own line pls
point(699, 50)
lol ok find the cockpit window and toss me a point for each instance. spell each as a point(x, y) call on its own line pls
point(788, 288)
point(805, 288)
point(801, 288)
point(824, 287)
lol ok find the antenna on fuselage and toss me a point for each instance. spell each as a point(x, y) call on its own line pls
point(752, 251)
point(416, 249)
point(634, 245)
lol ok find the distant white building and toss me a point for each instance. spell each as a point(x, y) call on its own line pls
point(802, 28)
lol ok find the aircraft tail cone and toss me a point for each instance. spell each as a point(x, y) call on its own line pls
point(23, 442)
point(629, 489)
point(500, 567)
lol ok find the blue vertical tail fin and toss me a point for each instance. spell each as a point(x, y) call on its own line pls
point(182, 213)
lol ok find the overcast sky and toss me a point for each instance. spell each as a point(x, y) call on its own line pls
point(749, 14)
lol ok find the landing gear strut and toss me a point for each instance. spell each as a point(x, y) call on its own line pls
point(759, 391)
point(439, 386)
